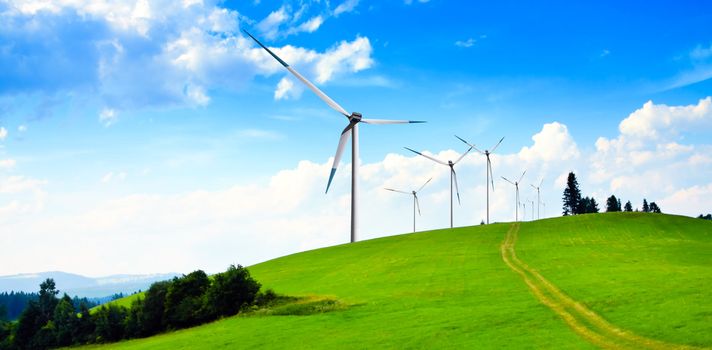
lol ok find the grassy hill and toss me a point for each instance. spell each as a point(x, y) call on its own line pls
point(620, 281)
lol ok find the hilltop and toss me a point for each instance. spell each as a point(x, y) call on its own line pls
point(621, 280)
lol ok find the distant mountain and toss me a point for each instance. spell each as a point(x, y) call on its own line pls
point(82, 286)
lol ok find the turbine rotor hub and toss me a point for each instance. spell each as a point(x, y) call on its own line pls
point(356, 116)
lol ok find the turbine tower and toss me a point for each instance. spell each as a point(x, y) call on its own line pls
point(490, 178)
point(538, 198)
point(351, 130)
point(453, 175)
point(516, 186)
point(415, 199)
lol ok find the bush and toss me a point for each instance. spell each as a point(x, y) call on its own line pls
point(109, 323)
point(231, 291)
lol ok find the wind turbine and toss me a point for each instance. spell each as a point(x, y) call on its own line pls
point(490, 179)
point(351, 130)
point(453, 175)
point(538, 198)
point(516, 186)
point(532, 202)
point(415, 199)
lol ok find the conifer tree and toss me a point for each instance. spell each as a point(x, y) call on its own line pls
point(572, 196)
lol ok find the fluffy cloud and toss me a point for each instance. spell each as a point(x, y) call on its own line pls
point(134, 54)
point(6, 164)
point(650, 158)
point(651, 120)
point(346, 6)
point(553, 143)
point(3, 133)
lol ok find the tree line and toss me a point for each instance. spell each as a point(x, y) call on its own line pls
point(575, 204)
point(189, 300)
point(13, 303)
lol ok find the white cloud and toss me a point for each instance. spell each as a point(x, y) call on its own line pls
point(22, 128)
point(108, 117)
point(701, 53)
point(408, 2)
point(650, 120)
point(285, 89)
point(6, 164)
point(311, 25)
point(689, 201)
point(269, 26)
point(345, 7)
point(346, 57)
point(553, 143)
point(163, 52)
point(114, 177)
point(467, 43)
point(3, 133)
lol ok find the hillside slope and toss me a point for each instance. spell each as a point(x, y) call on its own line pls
point(629, 280)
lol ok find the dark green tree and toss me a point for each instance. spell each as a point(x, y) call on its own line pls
point(705, 217)
point(152, 316)
point(48, 298)
point(628, 207)
point(613, 204)
point(84, 327)
point(134, 326)
point(109, 323)
point(588, 205)
point(65, 321)
point(646, 208)
point(231, 291)
point(654, 208)
point(29, 323)
point(184, 300)
point(572, 196)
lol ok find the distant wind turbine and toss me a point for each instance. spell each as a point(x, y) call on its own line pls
point(516, 186)
point(415, 199)
point(532, 202)
point(351, 129)
point(490, 177)
point(453, 175)
point(538, 198)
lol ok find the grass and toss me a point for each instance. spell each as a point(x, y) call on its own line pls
point(647, 273)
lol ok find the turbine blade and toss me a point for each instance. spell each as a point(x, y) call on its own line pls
point(426, 156)
point(386, 121)
point(505, 179)
point(540, 183)
point(399, 191)
point(463, 155)
point(457, 190)
point(304, 80)
point(497, 145)
point(426, 182)
point(469, 144)
point(339, 151)
point(536, 188)
point(417, 204)
point(521, 177)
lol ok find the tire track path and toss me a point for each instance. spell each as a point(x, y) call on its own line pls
point(582, 320)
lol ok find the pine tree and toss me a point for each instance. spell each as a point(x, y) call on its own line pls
point(613, 204)
point(628, 206)
point(646, 208)
point(572, 196)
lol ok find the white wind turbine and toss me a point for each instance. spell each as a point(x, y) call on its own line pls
point(453, 175)
point(415, 199)
point(516, 186)
point(350, 130)
point(538, 198)
point(490, 177)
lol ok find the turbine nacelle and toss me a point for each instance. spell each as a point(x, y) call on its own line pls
point(355, 116)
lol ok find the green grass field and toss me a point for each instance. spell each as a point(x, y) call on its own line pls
point(626, 280)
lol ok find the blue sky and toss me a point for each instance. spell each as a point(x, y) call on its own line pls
point(127, 125)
